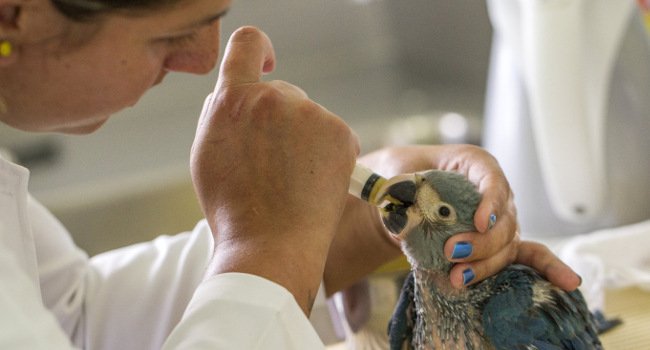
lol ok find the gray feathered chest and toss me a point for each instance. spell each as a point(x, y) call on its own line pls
point(515, 309)
point(447, 320)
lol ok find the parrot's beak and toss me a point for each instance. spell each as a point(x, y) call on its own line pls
point(397, 196)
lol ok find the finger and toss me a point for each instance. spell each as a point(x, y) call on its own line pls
point(540, 258)
point(248, 55)
point(496, 200)
point(473, 246)
point(465, 274)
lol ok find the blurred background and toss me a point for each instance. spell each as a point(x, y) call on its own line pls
point(395, 73)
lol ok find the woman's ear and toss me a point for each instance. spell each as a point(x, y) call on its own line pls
point(9, 12)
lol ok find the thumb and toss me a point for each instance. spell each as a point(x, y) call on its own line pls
point(248, 55)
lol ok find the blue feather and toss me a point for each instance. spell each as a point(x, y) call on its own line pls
point(511, 317)
point(400, 327)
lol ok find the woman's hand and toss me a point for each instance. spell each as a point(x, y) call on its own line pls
point(495, 246)
point(271, 169)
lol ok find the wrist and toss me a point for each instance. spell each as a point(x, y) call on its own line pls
point(297, 266)
point(360, 246)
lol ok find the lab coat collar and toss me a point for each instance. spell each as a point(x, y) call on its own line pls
point(16, 236)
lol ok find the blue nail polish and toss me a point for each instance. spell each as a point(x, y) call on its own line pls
point(461, 250)
point(492, 221)
point(468, 276)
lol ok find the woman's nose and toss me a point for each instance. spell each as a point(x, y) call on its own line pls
point(198, 57)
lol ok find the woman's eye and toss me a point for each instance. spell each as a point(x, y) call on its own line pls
point(181, 40)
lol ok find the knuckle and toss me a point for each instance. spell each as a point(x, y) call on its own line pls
point(343, 128)
point(475, 151)
point(472, 149)
point(266, 99)
point(280, 84)
point(269, 94)
point(307, 107)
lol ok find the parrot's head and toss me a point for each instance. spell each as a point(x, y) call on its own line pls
point(436, 205)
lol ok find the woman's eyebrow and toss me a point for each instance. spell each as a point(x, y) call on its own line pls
point(205, 21)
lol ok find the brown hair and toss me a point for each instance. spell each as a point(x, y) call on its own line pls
point(85, 10)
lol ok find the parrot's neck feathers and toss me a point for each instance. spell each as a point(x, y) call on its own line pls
point(424, 248)
point(446, 316)
point(437, 279)
point(436, 265)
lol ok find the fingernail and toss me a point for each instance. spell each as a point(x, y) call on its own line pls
point(468, 276)
point(492, 221)
point(580, 280)
point(461, 250)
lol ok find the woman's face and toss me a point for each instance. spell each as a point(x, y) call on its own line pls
point(73, 79)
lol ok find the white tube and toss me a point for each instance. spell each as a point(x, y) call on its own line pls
point(364, 184)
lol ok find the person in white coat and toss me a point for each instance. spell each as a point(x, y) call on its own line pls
point(271, 169)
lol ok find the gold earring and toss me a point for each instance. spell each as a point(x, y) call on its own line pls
point(5, 48)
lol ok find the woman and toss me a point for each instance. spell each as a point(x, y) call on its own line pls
point(270, 167)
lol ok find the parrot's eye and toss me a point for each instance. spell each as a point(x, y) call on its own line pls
point(444, 211)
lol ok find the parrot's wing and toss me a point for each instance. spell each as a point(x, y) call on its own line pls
point(400, 326)
point(528, 312)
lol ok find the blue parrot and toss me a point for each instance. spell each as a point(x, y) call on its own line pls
point(515, 309)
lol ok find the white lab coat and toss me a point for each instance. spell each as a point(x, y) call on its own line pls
point(52, 296)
